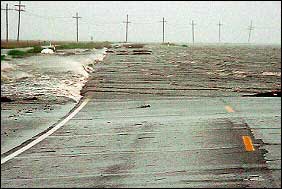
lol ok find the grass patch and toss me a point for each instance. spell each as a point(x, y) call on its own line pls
point(17, 53)
point(3, 57)
point(65, 44)
point(14, 53)
point(86, 45)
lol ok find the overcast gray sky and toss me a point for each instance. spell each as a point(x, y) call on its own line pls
point(103, 20)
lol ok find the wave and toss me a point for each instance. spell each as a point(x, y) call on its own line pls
point(6, 67)
point(58, 78)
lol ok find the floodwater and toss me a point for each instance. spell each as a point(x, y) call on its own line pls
point(58, 77)
point(41, 86)
point(161, 120)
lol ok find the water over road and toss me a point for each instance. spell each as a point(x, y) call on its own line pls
point(160, 121)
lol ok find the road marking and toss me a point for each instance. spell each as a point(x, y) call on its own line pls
point(229, 109)
point(248, 143)
point(45, 135)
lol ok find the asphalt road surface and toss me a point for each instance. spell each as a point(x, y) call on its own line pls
point(160, 121)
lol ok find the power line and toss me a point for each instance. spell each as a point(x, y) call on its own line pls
point(101, 24)
point(126, 29)
point(19, 21)
point(250, 30)
point(108, 23)
point(193, 35)
point(144, 22)
point(163, 21)
point(77, 17)
point(46, 17)
point(266, 28)
point(7, 21)
point(219, 25)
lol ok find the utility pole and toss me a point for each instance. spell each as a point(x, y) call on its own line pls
point(250, 30)
point(219, 25)
point(193, 35)
point(19, 21)
point(163, 29)
point(77, 17)
point(126, 28)
point(7, 20)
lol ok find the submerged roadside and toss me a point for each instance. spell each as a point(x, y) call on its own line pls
point(37, 91)
point(158, 119)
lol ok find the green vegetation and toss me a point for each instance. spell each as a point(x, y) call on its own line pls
point(85, 45)
point(65, 44)
point(20, 54)
point(3, 57)
point(184, 45)
point(17, 53)
point(14, 53)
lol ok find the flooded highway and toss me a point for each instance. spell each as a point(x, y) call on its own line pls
point(175, 117)
point(41, 86)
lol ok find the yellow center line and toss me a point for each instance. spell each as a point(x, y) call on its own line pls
point(229, 109)
point(248, 143)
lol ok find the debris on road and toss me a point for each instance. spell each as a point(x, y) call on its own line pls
point(6, 99)
point(109, 51)
point(140, 52)
point(267, 94)
point(144, 106)
point(31, 98)
point(122, 52)
point(134, 52)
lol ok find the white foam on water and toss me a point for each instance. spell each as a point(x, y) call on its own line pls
point(10, 72)
point(5, 66)
point(272, 73)
point(49, 77)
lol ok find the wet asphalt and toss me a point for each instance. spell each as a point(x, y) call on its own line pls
point(161, 121)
